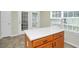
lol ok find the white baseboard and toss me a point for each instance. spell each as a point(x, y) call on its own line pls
point(74, 45)
point(12, 35)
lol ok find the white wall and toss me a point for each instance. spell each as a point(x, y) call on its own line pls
point(44, 18)
point(14, 22)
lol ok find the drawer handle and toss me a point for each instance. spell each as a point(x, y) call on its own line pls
point(45, 41)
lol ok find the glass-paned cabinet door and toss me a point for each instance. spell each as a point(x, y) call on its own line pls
point(35, 19)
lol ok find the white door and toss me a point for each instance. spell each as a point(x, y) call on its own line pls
point(5, 23)
point(0, 24)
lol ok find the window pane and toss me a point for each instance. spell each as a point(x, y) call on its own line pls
point(65, 13)
point(70, 14)
point(76, 13)
point(56, 13)
point(34, 19)
point(24, 24)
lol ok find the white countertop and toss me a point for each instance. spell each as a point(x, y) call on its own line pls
point(42, 32)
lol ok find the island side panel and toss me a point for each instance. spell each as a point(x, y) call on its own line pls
point(28, 43)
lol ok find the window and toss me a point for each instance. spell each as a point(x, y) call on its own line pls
point(55, 17)
point(34, 19)
point(71, 13)
point(76, 13)
point(24, 24)
point(56, 13)
point(70, 19)
point(68, 14)
point(65, 14)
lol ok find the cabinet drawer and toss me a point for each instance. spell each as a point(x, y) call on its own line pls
point(57, 35)
point(47, 45)
point(61, 33)
point(41, 41)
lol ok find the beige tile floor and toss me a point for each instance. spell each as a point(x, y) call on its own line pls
point(18, 42)
point(12, 42)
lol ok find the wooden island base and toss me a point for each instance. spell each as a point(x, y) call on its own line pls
point(51, 41)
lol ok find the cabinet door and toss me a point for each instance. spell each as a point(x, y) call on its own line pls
point(59, 43)
point(5, 23)
point(47, 45)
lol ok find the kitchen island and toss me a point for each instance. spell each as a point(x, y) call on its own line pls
point(47, 37)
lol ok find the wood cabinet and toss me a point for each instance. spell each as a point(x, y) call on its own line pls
point(47, 45)
point(51, 41)
point(42, 41)
point(59, 40)
point(58, 43)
